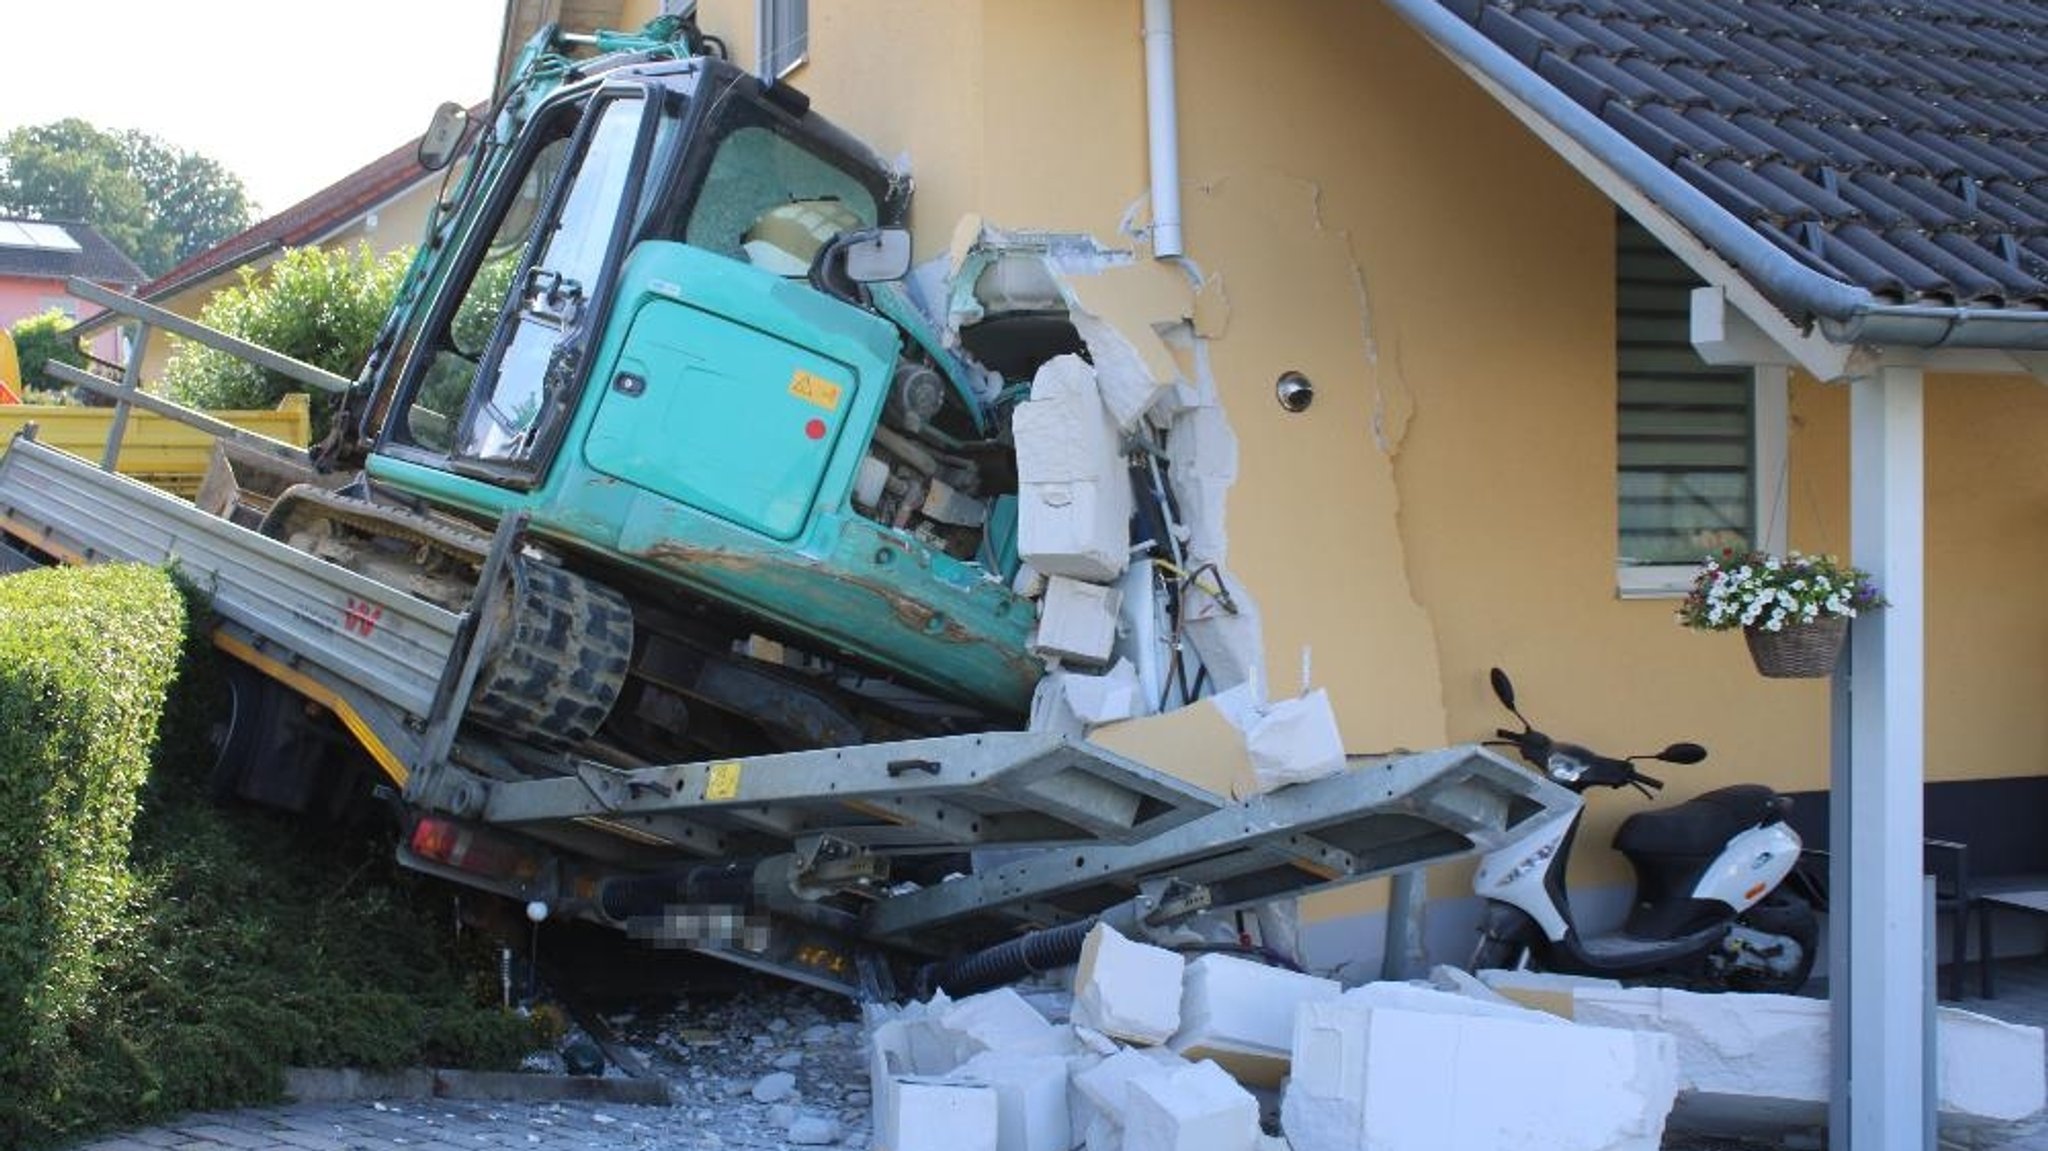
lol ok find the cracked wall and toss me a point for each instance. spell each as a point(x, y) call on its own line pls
point(1362, 213)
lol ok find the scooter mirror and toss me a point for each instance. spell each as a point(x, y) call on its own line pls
point(1683, 753)
point(1503, 688)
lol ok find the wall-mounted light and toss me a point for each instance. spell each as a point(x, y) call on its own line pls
point(1294, 391)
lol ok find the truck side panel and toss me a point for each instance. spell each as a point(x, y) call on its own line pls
point(376, 637)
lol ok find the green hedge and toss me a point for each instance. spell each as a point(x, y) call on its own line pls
point(86, 658)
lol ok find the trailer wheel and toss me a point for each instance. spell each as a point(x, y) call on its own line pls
point(558, 656)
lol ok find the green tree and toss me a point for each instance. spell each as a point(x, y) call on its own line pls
point(322, 307)
point(39, 339)
point(155, 202)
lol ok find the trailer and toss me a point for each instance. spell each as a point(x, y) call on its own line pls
point(795, 863)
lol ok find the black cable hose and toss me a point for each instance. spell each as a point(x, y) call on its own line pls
point(1046, 950)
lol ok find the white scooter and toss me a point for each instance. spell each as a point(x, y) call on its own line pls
point(1711, 907)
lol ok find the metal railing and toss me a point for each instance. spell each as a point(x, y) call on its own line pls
point(128, 393)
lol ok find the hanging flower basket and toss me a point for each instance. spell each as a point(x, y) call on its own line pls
point(1798, 650)
point(1794, 610)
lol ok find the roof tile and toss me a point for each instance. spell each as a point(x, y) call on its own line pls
point(1901, 145)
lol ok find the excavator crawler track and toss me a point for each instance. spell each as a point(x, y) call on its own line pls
point(561, 645)
point(559, 659)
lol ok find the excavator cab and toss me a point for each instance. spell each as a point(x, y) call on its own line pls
point(657, 328)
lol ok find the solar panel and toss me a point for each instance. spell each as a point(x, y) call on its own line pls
point(32, 234)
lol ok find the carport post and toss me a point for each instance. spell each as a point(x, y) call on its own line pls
point(1876, 932)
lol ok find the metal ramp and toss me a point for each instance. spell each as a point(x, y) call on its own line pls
point(994, 789)
point(1380, 816)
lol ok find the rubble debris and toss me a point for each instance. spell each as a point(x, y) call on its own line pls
point(1750, 1062)
point(774, 1087)
point(1447, 1080)
point(1126, 989)
point(1240, 1013)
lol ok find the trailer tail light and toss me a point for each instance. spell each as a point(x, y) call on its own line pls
point(472, 849)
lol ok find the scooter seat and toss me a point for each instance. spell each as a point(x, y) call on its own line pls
point(1701, 825)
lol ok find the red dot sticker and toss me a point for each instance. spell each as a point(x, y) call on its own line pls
point(815, 429)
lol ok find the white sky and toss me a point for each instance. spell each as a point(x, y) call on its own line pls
point(288, 96)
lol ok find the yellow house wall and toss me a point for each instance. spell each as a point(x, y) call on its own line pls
point(397, 223)
point(1364, 214)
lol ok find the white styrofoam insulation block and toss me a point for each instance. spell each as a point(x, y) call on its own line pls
point(1031, 1095)
point(1128, 389)
point(1073, 497)
point(914, 1113)
point(1076, 620)
point(1001, 1020)
point(1194, 1108)
point(1423, 998)
point(1240, 1013)
point(1759, 1059)
point(1294, 740)
point(1375, 1078)
point(1543, 990)
point(1127, 989)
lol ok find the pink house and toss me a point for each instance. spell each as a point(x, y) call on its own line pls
point(37, 256)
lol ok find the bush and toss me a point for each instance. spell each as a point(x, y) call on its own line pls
point(184, 968)
point(39, 339)
point(322, 307)
point(86, 657)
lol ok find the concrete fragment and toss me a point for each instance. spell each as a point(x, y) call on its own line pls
point(1761, 1062)
point(814, 1131)
point(774, 1087)
point(916, 1113)
point(1076, 621)
point(1240, 1014)
point(1127, 989)
point(1295, 740)
point(1073, 499)
point(1194, 1108)
point(1031, 1099)
point(1392, 1079)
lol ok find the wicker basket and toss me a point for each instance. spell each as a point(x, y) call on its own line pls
point(1800, 650)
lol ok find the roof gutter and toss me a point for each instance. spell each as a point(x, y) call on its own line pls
point(1848, 314)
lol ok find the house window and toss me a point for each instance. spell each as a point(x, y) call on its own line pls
point(1697, 445)
point(783, 30)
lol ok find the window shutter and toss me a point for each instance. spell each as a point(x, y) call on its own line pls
point(1687, 449)
point(785, 35)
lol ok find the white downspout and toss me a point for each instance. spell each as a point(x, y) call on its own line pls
point(1162, 122)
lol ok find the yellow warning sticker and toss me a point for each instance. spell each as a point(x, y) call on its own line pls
point(815, 390)
point(724, 780)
